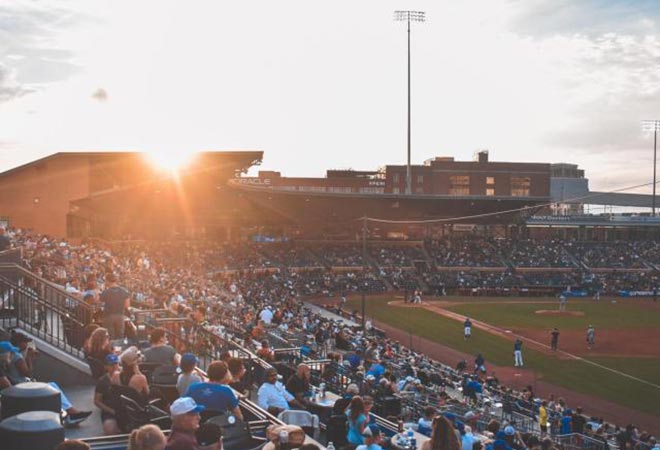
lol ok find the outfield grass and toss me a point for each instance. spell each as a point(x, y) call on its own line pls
point(576, 375)
point(604, 314)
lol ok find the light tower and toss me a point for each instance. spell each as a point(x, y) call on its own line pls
point(409, 16)
point(653, 125)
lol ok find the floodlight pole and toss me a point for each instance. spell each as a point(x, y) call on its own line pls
point(407, 16)
point(364, 262)
point(648, 125)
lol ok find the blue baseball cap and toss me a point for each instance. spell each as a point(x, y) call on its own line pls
point(111, 359)
point(188, 358)
point(6, 346)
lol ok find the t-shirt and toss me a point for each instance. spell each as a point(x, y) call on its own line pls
point(162, 354)
point(114, 299)
point(297, 385)
point(555, 335)
point(103, 387)
point(14, 374)
point(216, 397)
point(354, 436)
point(578, 423)
point(181, 440)
point(185, 380)
point(565, 425)
point(467, 441)
point(377, 370)
point(543, 416)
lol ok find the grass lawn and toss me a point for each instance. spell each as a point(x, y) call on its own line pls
point(623, 314)
point(576, 375)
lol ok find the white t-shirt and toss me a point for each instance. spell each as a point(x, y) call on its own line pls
point(267, 316)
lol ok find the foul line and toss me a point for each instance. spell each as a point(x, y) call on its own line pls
point(487, 327)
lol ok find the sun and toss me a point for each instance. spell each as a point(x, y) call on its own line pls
point(170, 161)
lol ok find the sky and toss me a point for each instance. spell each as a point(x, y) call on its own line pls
point(322, 85)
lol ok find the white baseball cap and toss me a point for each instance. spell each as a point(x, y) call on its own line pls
point(185, 405)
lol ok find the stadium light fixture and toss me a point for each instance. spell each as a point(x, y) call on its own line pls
point(409, 16)
point(647, 126)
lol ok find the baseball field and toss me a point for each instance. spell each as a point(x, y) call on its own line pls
point(623, 367)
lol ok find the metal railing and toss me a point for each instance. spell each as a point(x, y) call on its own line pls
point(43, 309)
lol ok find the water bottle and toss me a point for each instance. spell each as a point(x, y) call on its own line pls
point(411, 437)
point(283, 438)
point(330, 446)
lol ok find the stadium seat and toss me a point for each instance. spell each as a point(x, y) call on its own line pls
point(304, 419)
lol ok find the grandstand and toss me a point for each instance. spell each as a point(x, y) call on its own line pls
point(228, 252)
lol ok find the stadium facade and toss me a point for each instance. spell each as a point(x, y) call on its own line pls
point(120, 195)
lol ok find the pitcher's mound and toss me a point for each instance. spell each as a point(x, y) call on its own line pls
point(554, 312)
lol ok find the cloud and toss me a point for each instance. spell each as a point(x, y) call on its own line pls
point(9, 88)
point(30, 55)
point(587, 17)
point(100, 95)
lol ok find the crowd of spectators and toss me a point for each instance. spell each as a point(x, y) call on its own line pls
point(246, 304)
point(465, 252)
point(535, 253)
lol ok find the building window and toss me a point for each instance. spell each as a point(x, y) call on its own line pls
point(395, 190)
point(459, 185)
point(490, 191)
point(395, 178)
point(490, 180)
point(520, 186)
point(420, 179)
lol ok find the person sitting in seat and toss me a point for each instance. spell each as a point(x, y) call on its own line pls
point(130, 374)
point(160, 351)
point(266, 352)
point(273, 396)
point(372, 438)
point(99, 346)
point(103, 398)
point(189, 374)
point(7, 353)
point(237, 370)
point(20, 368)
point(215, 395)
point(298, 384)
point(185, 421)
point(340, 405)
point(147, 437)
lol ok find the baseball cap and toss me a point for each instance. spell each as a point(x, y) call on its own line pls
point(370, 377)
point(188, 358)
point(371, 431)
point(469, 415)
point(18, 337)
point(5, 346)
point(111, 359)
point(509, 430)
point(130, 356)
point(185, 405)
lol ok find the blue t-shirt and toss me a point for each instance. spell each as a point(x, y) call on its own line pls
point(517, 345)
point(216, 397)
point(474, 386)
point(354, 360)
point(377, 370)
point(565, 425)
point(354, 435)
